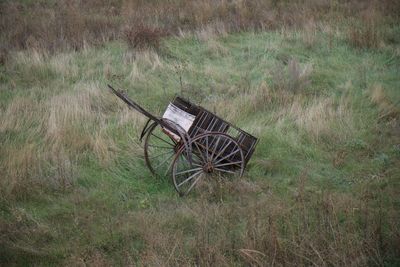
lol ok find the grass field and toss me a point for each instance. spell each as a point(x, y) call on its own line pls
point(321, 189)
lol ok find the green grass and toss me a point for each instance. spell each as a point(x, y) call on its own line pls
point(96, 202)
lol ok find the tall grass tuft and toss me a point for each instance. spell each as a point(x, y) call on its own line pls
point(142, 37)
point(366, 33)
point(293, 78)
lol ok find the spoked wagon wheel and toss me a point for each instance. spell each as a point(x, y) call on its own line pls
point(159, 150)
point(206, 155)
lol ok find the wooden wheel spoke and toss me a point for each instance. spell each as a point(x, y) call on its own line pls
point(159, 155)
point(223, 150)
point(188, 171)
point(162, 147)
point(215, 147)
point(227, 156)
point(196, 159)
point(223, 170)
point(189, 178)
point(193, 184)
point(184, 159)
point(207, 148)
point(159, 150)
point(165, 141)
point(163, 162)
point(229, 163)
point(200, 152)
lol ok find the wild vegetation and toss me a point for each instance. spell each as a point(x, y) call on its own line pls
point(316, 81)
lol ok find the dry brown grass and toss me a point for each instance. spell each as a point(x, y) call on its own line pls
point(65, 25)
point(365, 32)
point(215, 48)
point(309, 33)
point(294, 77)
point(57, 130)
point(25, 170)
point(310, 228)
point(76, 120)
point(20, 114)
point(72, 25)
point(211, 31)
point(21, 167)
point(46, 137)
point(240, 222)
point(238, 225)
point(323, 118)
point(388, 109)
point(62, 65)
point(143, 37)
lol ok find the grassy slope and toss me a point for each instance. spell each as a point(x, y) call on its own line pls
point(324, 157)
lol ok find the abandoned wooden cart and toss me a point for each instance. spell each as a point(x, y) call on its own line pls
point(191, 142)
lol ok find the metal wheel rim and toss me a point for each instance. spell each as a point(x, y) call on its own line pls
point(156, 168)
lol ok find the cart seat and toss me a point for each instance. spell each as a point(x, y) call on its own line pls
point(178, 116)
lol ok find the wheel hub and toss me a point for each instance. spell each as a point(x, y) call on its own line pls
point(208, 167)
